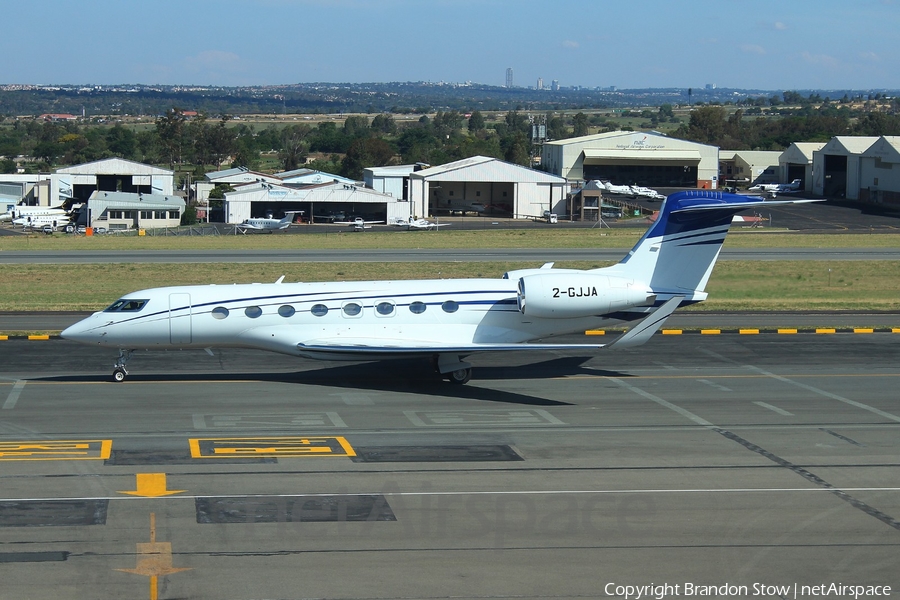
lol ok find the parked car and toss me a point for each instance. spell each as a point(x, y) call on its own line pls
point(611, 213)
point(48, 229)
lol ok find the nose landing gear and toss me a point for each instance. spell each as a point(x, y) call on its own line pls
point(119, 373)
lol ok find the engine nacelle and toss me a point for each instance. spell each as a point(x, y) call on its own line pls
point(570, 295)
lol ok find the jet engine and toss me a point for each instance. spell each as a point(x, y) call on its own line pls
point(578, 294)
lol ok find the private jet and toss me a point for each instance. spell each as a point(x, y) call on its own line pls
point(447, 320)
point(269, 224)
point(773, 189)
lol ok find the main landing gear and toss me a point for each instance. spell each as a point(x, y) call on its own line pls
point(453, 368)
point(119, 373)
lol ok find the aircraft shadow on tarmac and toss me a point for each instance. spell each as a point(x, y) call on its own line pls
point(413, 377)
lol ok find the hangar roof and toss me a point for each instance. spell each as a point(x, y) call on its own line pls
point(484, 169)
point(887, 148)
point(800, 152)
point(114, 166)
point(129, 201)
point(848, 145)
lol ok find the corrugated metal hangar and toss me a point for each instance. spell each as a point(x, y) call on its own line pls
point(633, 158)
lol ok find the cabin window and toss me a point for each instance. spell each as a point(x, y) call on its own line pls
point(126, 305)
point(286, 311)
point(219, 312)
point(417, 308)
point(352, 309)
point(253, 311)
point(450, 306)
point(384, 309)
point(319, 310)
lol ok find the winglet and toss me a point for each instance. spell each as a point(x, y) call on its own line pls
point(645, 328)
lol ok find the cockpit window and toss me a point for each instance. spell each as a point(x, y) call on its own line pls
point(126, 305)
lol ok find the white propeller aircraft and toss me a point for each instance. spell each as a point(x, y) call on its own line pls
point(359, 224)
point(418, 224)
point(262, 224)
point(446, 319)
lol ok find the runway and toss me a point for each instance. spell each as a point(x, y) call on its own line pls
point(722, 460)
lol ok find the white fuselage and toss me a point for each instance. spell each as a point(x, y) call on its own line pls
point(277, 316)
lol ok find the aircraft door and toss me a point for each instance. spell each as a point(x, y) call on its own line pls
point(180, 318)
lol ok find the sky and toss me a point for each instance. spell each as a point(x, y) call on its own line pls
point(747, 44)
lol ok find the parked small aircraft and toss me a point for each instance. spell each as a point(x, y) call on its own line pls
point(631, 191)
point(417, 224)
point(18, 211)
point(445, 319)
point(464, 207)
point(269, 224)
point(359, 224)
point(773, 189)
point(33, 221)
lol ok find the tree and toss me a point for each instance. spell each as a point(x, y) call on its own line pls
point(170, 131)
point(580, 125)
point(476, 121)
point(365, 152)
point(294, 147)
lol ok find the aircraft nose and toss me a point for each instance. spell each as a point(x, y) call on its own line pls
point(82, 331)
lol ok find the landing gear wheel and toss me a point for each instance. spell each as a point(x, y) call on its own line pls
point(459, 376)
point(119, 374)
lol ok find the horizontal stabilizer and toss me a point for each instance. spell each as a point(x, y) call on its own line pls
point(645, 329)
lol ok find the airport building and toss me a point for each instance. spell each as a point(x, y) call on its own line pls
point(633, 158)
point(318, 203)
point(797, 163)
point(880, 171)
point(128, 210)
point(748, 167)
point(836, 167)
point(484, 185)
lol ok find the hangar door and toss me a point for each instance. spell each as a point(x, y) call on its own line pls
point(835, 175)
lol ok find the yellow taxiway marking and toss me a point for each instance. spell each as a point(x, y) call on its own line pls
point(824, 330)
point(787, 331)
point(56, 450)
point(672, 332)
point(153, 560)
point(151, 485)
point(283, 447)
point(748, 331)
point(710, 332)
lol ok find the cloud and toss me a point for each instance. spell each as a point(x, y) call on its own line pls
point(869, 57)
point(780, 26)
point(570, 44)
point(753, 49)
point(823, 60)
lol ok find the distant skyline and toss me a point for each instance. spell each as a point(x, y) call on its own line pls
point(765, 44)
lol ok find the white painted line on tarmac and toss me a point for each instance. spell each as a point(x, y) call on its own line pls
point(780, 411)
point(681, 411)
point(14, 393)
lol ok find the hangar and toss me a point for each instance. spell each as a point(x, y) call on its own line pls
point(633, 158)
point(750, 167)
point(321, 202)
point(797, 163)
point(127, 210)
point(487, 185)
point(880, 171)
point(836, 166)
point(112, 175)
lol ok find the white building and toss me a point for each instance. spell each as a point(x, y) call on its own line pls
point(260, 199)
point(880, 171)
point(502, 188)
point(126, 210)
point(750, 167)
point(796, 162)
point(109, 175)
point(631, 157)
point(836, 167)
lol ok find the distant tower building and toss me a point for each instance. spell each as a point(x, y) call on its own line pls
point(509, 78)
point(540, 84)
point(554, 85)
point(711, 86)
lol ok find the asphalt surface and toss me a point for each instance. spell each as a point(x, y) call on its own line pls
point(738, 460)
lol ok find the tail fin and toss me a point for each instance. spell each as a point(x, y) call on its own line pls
point(677, 254)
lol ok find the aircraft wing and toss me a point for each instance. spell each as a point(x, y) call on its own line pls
point(380, 347)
